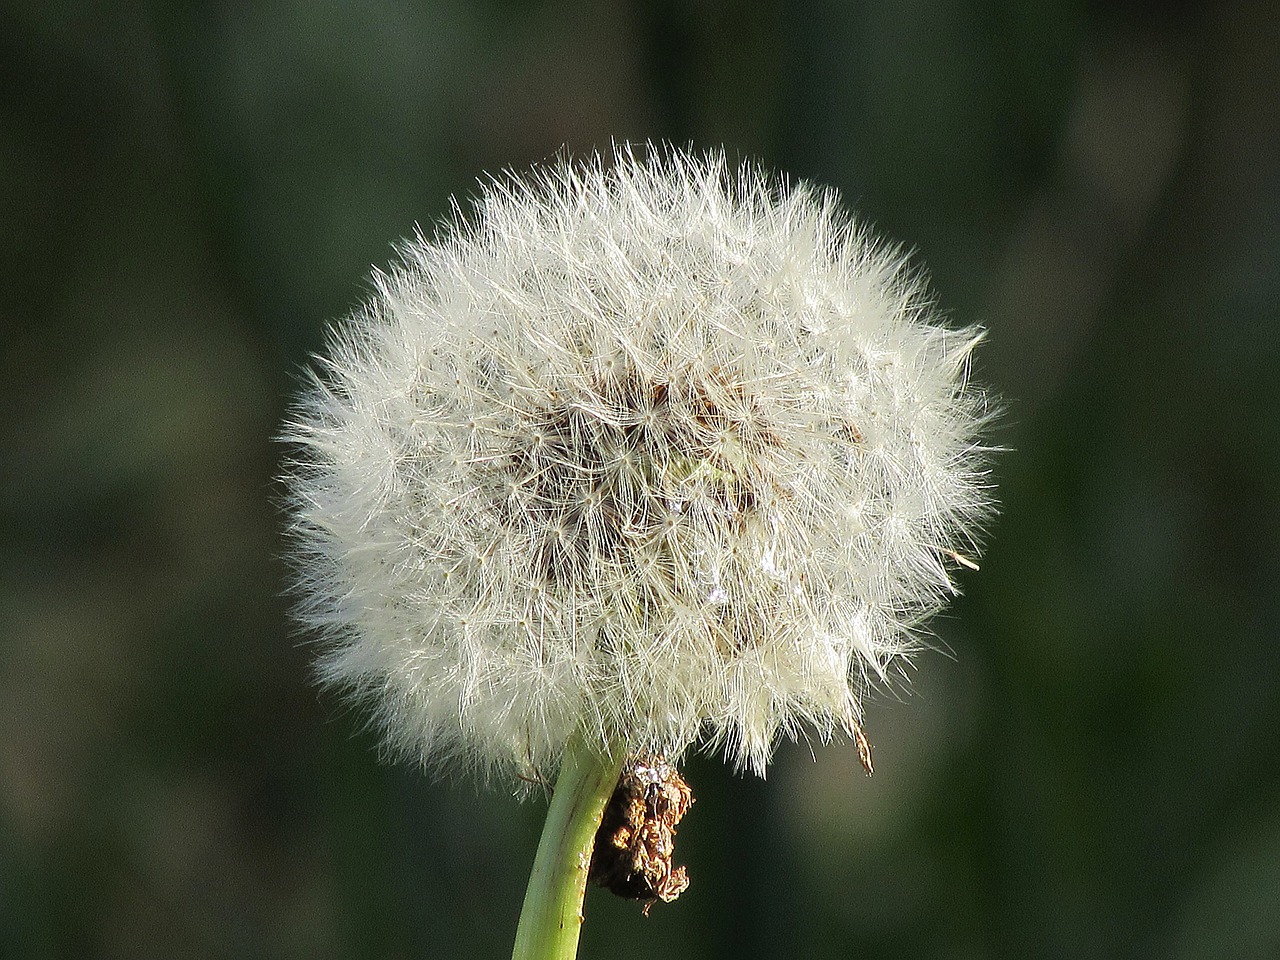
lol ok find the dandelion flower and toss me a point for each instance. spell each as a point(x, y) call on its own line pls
point(647, 450)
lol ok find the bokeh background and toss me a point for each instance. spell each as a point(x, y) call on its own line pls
point(1087, 767)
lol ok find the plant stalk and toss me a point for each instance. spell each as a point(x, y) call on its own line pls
point(551, 918)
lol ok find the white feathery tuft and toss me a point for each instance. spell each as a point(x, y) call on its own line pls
point(646, 449)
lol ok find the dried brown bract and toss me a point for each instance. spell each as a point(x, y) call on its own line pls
point(636, 840)
point(864, 749)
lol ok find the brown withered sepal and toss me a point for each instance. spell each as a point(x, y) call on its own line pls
point(636, 839)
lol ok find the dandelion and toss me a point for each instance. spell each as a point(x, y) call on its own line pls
point(641, 453)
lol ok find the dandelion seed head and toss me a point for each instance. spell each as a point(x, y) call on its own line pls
point(651, 450)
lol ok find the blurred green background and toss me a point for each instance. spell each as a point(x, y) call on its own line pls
point(1089, 767)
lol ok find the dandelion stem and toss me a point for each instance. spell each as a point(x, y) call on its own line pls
point(552, 914)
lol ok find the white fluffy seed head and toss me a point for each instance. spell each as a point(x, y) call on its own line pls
point(646, 449)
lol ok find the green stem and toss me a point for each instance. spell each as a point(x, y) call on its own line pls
point(552, 913)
